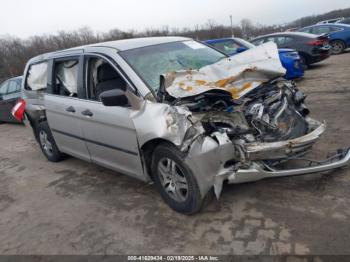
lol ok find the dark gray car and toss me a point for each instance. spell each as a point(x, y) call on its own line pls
point(10, 91)
point(311, 48)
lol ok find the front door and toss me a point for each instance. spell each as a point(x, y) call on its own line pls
point(63, 108)
point(109, 131)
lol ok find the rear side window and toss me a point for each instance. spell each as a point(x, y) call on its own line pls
point(3, 87)
point(272, 39)
point(14, 87)
point(335, 29)
point(322, 30)
point(281, 40)
point(66, 77)
point(306, 30)
point(258, 41)
point(36, 78)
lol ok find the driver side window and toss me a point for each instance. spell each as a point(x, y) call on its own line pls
point(101, 77)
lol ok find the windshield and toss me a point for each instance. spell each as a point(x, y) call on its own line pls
point(152, 61)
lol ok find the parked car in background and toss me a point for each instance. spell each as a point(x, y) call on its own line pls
point(10, 92)
point(331, 21)
point(339, 35)
point(290, 58)
point(311, 48)
point(346, 21)
point(173, 111)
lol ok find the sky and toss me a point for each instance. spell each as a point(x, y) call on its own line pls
point(25, 18)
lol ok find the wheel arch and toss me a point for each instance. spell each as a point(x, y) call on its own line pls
point(147, 150)
point(338, 39)
point(34, 118)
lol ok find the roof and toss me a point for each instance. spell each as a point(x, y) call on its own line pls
point(127, 44)
point(120, 45)
point(288, 34)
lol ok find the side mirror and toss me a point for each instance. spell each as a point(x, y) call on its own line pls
point(241, 49)
point(114, 97)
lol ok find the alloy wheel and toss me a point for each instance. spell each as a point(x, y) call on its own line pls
point(172, 179)
point(337, 47)
point(45, 142)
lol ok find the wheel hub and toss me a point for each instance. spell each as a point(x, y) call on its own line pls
point(45, 142)
point(337, 47)
point(172, 179)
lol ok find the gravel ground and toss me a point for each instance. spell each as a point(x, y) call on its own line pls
point(73, 207)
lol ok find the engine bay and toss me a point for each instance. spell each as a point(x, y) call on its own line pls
point(274, 111)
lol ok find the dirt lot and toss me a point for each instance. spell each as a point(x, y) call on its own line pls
point(73, 207)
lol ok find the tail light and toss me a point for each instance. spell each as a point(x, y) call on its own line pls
point(316, 42)
point(18, 110)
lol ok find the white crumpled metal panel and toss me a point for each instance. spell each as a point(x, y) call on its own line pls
point(238, 74)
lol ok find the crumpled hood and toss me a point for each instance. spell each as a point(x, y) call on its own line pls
point(238, 75)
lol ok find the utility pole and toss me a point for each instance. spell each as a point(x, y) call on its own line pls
point(231, 26)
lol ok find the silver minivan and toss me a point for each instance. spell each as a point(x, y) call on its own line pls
point(172, 111)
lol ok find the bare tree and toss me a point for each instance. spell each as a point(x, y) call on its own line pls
point(15, 52)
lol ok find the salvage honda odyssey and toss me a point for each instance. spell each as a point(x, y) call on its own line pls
point(172, 111)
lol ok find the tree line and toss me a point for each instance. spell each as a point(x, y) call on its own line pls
point(15, 52)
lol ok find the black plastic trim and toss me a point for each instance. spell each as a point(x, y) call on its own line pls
point(96, 142)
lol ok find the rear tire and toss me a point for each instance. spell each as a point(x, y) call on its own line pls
point(304, 61)
point(175, 181)
point(47, 143)
point(338, 47)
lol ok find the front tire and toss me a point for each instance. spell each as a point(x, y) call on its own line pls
point(338, 47)
point(47, 143)
point(175, 181)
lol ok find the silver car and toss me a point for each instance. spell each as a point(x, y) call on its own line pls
point(172, 111)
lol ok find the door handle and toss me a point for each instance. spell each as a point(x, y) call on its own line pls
point(70, 109)
point(87, 112)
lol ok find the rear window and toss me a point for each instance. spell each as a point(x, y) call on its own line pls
point(36, 78)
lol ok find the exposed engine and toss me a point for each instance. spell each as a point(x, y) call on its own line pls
point(274, 111)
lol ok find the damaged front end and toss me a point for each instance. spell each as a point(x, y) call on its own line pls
point(237, 120)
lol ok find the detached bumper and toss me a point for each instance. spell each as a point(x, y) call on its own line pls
point(287, 148)
point(257, 172)
point(211, 159)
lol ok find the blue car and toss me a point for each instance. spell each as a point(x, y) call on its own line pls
point(339, 35)
point(290, 58)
